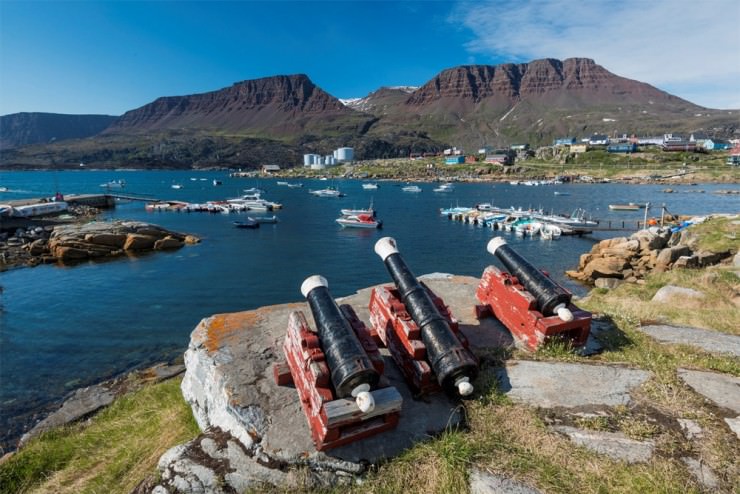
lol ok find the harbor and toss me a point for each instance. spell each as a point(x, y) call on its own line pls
point(249, 269)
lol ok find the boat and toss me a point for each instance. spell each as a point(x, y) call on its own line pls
point(248, 223)
point(411, 188)
point(114, 184)
point(448, 187)
point(295, 186)
point(359, 221)
point(484, 206)
point(328, 192)
point(549, 231)
point(176, 186)
point(624, 207)
point(254, 190)
point(3, 189)
point(558, 193)
point(282, 183)
point(252, 202)
point(216, 182)
point(355, 212)
point(265, 219)
point(370, 186)
point(38, 209)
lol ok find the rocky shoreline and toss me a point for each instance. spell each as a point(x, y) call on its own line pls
point(70, 243)
point(657, 249)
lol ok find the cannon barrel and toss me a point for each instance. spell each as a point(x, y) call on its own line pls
point(552, 299)
point(352, 372)
point(453, 364)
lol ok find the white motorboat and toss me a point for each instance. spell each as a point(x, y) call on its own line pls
point(448, 187)
point(359, 221)
point(549, 231)
point(114, 184)
point(370, 186)
point(411, 188)
point(328, 192)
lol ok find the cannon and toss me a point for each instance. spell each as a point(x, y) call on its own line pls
point(337, 372)
point(443, 347)
point(528, 302)
point(352, 373)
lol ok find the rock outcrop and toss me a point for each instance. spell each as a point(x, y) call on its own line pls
point(77, 242)
point(651, 250)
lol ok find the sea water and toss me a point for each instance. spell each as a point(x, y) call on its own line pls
point(64, 327)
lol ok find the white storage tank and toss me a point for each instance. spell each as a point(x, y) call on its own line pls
point(330, 160)
point(345, 154)
point(310, 159)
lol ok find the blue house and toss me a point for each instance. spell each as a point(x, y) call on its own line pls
point(564, 141)
point(455, 160)
point(624, 147)
point(716, 145)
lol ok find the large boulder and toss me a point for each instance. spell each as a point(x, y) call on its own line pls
point(70, 253)
point(671, 294)
point(605, 267)
point(116, 240)
point(167, 243)
point(669, 256)
point(134, 241)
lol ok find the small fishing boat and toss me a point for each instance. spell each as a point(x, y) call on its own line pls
point(282, 183)
point(216, 182)
point(355, 212)
point(265, 219)
point(114, 184)
point(448, 187)
point(558, 193)
point(176, 186)
point(624, 207)
point(295, 186)
point(328, 192)
point(359, 221)
point(411, 188)
point(484, 206)
point(254, 190)
point(550, 232)
point(370, 186)
point(248, 223)
point(3, 189)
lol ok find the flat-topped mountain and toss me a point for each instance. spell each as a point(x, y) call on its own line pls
point(280, 105)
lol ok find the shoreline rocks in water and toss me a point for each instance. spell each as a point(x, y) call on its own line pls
point(630, 259)
point(79, 242)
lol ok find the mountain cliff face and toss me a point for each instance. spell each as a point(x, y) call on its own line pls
point(281, 105)
point(581, 77)
point(20, 129)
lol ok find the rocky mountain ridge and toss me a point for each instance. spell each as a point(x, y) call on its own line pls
point(468, 106)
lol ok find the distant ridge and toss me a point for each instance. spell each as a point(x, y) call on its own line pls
point(21, 129)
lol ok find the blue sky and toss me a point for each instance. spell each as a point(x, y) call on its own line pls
point(114, 56)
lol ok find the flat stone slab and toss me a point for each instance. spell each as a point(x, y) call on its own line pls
point(701, 472)
point(711, 341)
point(734, 425)
point(486, 483)
point(82, 403)
point(557, 384)
point(722, 389)
point(613, 444)
point(229, 383)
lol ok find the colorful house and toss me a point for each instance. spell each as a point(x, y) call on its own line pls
point(454, 160)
